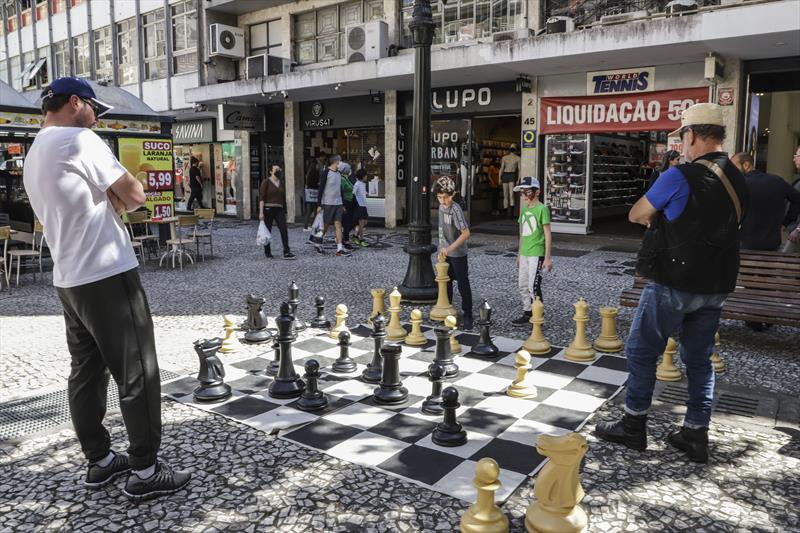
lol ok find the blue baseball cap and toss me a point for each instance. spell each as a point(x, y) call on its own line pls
point(69, 85)
point(528, 182)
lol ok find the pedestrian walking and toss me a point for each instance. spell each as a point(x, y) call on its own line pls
point(195, 184)
point(331, 204)
point(349, 202)
point(360, 212)
point(77, 189)
point(272, 208)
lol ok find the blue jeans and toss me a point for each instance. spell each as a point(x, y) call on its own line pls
point(662, 313)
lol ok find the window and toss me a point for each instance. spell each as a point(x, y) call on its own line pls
point(466, 20)
point(155, 45)
point(265, 38)
point(43, 75)
point(319, 35)
point(103, 59)
point(27, 13)
point(80, 49)
point(58, 6)
point(184, 37)
point(127, 44)
point(26, 65)
point(41, 10)
point(11, 15)
point(60, 59)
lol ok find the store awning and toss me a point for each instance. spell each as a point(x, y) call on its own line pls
point(11, 100)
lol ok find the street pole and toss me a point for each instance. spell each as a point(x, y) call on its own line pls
point(419, 284)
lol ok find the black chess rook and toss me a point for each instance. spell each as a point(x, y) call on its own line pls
point(212, 373)
point(433, 403)
point(312, 399)
point(449, 432)
point(443, 355)
point(374, 370)
point(287, 383)
point(391, 390)
point(485, 347)
point(320, 322)
point(344, 364)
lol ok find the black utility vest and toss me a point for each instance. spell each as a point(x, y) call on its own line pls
point(698, 252)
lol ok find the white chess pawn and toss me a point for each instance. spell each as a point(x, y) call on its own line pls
point(518, 388)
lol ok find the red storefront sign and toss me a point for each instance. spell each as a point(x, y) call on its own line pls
point(654, 111)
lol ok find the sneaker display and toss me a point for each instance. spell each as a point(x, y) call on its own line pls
point(165, 480)
point(98, 476)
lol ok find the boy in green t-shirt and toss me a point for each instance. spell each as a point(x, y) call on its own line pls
point(535, 241)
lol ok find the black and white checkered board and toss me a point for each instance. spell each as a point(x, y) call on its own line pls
point(397, 440)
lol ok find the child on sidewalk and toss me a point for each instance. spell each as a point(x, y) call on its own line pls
point(535, 240)
point(453, 235)
point(360, 215)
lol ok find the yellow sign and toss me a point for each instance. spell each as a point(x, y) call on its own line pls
point(151, 161)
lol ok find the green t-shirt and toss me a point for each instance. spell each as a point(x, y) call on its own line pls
point(531, 235)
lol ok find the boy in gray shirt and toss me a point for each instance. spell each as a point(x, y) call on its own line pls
point(453, 235)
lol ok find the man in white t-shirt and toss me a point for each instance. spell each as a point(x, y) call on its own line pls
point(78, 189)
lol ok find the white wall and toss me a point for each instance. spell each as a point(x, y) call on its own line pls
point(133, 89)
point(59, 27)
point(42, 33)
point(145, 6)
point(13, 45)
point(179, 85)
point(101, 13)
point(27, 38)
point(124, 9)
point(78, 20)
point(154, 94)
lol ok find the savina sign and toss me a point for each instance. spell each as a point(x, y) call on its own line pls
point(653, 111)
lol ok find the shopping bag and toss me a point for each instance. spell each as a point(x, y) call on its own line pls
point(316, 226)
point(263, 236)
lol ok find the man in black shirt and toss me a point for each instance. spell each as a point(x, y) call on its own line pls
point(761, 229)
point(195, 184)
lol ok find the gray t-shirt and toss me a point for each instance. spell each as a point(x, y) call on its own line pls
point(451, 224)
point(332, 195)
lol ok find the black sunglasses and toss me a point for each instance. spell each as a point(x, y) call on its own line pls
point(95, 107)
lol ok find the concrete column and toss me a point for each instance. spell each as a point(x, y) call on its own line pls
point(392, 202)
point(731, 113)
point(293, 159)
point(529, 122)
point(535, 14)
point(391, 14)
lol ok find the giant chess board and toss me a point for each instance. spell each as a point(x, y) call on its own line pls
point(397, 439)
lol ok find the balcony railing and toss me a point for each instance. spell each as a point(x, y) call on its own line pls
point(588, 12)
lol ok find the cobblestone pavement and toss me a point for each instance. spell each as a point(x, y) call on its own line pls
point(247, 481)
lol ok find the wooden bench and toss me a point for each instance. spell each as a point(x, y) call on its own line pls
point(767, 289)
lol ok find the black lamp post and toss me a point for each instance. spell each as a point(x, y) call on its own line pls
point(419, 284)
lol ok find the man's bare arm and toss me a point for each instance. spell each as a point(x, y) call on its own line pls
point(129, 191)
point(642, 212)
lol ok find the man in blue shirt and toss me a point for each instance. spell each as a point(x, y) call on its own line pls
point(690, 255)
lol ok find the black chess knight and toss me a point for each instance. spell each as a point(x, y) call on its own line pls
point(256, 321)
point(212, 373)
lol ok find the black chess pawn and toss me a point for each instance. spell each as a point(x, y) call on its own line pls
point(374, 370)
point(444, 356)
point(391, 390)
point(212, 373)
point(294, 301)
point(312, 399)
point(320, 322)
point(275, 364)
point(344, 364)
point(449, 432)
point(485, 347)
point(256, 321)
point(287, 383)
point(433, 403)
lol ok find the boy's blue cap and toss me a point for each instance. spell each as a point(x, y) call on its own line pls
point(69, 85)
point(528, 182)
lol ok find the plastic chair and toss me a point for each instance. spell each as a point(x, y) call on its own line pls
point(138, 246)
point(184, 235)
point(145, 237)
point(205, 233)
point(33, 254)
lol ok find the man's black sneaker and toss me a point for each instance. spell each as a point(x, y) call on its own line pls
point(289, 255)
point(692, 441)
point(98, 476)
point(349, 246)
point(466, 323)
point(165, 480)
point(630, 431)
point(343, 253)
point(319, 250)
point(524, 320)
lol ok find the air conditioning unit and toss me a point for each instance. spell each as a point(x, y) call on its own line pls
point(511, 35)
point(560, 25)
point(266, 65)
point(367, 42)
point(624, 17)
point(226, 41)
point(678, 7)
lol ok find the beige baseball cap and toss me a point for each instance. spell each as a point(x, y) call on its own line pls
point(697, 114)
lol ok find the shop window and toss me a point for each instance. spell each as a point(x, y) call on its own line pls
point(155, 45)
point(319, 35)
point(265, 38)
point(127, 45)
point(467, 20)
point(184, 37)
point(103, 59)
point(80, 50)
point(61, 59)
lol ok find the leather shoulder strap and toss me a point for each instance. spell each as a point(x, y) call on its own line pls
point(716, 169)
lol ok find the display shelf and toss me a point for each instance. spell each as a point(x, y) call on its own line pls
point(616, 184)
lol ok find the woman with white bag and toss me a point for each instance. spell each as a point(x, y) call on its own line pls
point(272, 208)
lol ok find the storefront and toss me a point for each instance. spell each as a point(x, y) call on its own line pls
point(353, 128)
point(472, 128)
point(193, 138)
point(600, 150)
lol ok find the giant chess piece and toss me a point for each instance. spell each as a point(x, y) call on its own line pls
point(716, 360)
point(416, 337)
point(608, 341)
point(344, 364)
point(341, 322)
point(256, 321)
point(485, 346)
point(443, 307)
point(666, 370)
point(229, 343)
point(433, 403)
point(451, 322)
point(519, 388)
point(294, 301)
point(374, 370)
point(484, 516)
point(395, 330)
point(443, 354)
point(391, 390)
point(287, 383)
point(537, 343)
point(557, 488)
point(320, 322)
point(449, 432)
point(212, 374)
point(312, 399)
point(580, 349)
point(378, 296)
point(275, 364)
